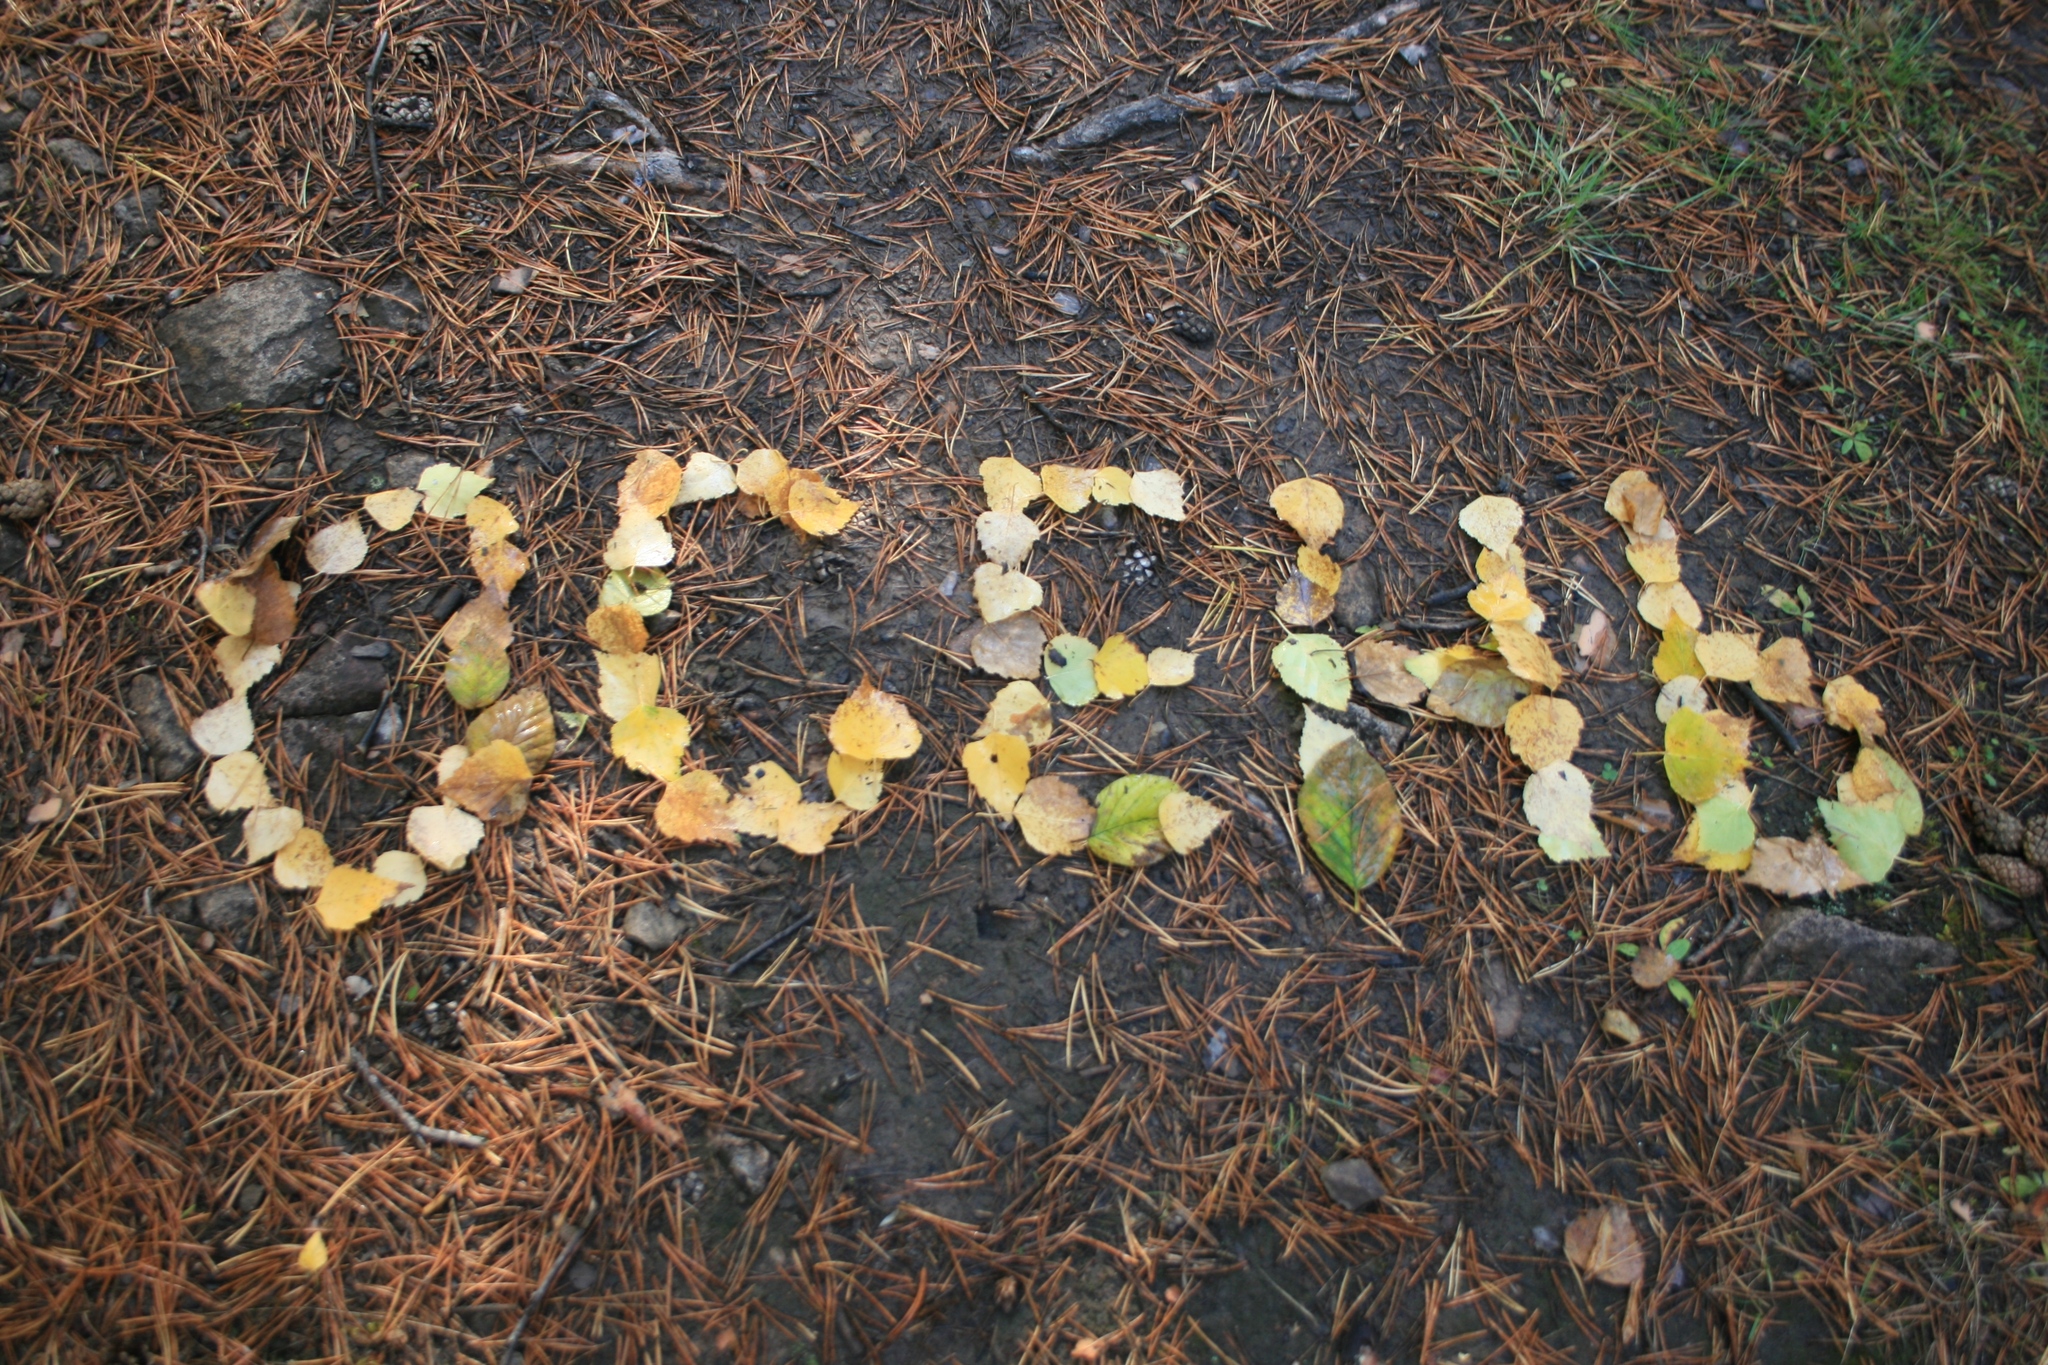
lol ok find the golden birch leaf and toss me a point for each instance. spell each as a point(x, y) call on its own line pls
point(350, 896)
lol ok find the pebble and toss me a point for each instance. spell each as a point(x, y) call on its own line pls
point(1856, 168)
point(356, 986)
point(1546, 1240)
point(1068, 303)
point(77, 155)
point(1415, 54)
point(1353, 1183)
point(652, 925)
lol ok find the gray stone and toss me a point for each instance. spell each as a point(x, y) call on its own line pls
point(316, 743)
point(6, 179)
point(1353, 1183)
point(396, 305)
point(171, 751)
point(136, 212)
point(1358, 599)
point(226, 909)
point(652, 925)
point(403, 470)
point(750, 1161)
point(1885, 973)
point(297, 16)
point(263, 343)
point(77, 155)
point(334, 682)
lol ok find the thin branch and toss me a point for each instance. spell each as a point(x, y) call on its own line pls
point(426, 1133)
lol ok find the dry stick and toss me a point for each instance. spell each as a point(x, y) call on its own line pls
point(1155, 110)
point(370, 112)
point(426, 1133)
point(510, 1355)
point(774, 941)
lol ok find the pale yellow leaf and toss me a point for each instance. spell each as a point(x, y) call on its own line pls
point(1187, 821)
point(266, 831)
point(856, 782)
point(243, 664)
point(696, 809)
point(1660, 602)
point(1054, 817)
point(1112, 486)
point(237, 781)
point(1159, 493)
point(350, 896)
point(1634, 500)
point(405, 869)
point(1009, 485)
point(706, 477)
point(226, 729)
point(640, 542)
point(1006, 537)
point(304, 862)
point(652, 740)
point(817, 509)
point(806, 828)
point(1492, 521)
point(1069, 488)
point(1544, 730)
point(998, 768)
point(448, 490)
point(769, 791)
point(443, 835)
point(1002, 593)
point(393, 508)
point(873, 724)
point(1654, 561)
point(626, 683)
point(230, 602)
point(651, 480)
point(1169, 667)
point(338, 549)
point(1728, 654)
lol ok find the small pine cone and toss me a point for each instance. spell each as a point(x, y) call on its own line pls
point(2020, 878)
point(1999, 829)
point(2035, 841)
point(24, 499)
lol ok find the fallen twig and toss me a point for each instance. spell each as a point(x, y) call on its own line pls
point(510, 1355)
point(1155, 110)
point(425, 1133)
point(370, 113)
point(764, 946)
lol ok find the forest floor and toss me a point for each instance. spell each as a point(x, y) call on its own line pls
point(976, 1105)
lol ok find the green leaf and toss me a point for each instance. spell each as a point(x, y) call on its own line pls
point(449, 490)
point(478, 671)
point(1070, 669)
point(1629, 949)
point(1315, 667)
point(1349, 815)
point(1699, 760)
point(1127, 829)
point(1677, 949)
point(1868, 838)
point(1682, 993)
point(644, 590)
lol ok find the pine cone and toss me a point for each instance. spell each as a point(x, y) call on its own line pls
point(1999, 829)
point(2020, 878)
point(24, 499)
point(2035, 842)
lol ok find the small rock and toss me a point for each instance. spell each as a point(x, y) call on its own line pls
point(171, 752)
point(251, 1198)
point(356, 986)
point(750, 1161)
point(334, 682)
point(1546, 1239)
point(583, 1277)
point(265, 342)
point(1194, 329)
point(1886, 972)
point(396, 305)
point(404, 469)
point(652, 925)
point(1855, 168)
point(513, 281)
point(226, 909)
point(1068, 303)
point(319, 742)
point(1415, 54)
point(1353, 1183)
point(99, 37)
point(136, 211)
point(1735, 142)
point(25, 499)
point(1503, 995)
point(29, 98)
point(77, 155)
point(1358, 599)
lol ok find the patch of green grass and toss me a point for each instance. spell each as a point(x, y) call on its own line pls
point(1558, 188)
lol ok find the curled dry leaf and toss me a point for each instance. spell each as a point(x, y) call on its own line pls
point(350, 896)
point(1006, 537)
point(856, 782)
point(1069, 488)
point(448, 489)
point(266, 831)
point(1492, 521)
point(650, 483)
point(1475, 687)
point(1381, 667)
point(1002, 593)
point(1187, 821)
point(226, 729)
point(1602, 1242)
point(277, 606)
point(1800, 867)
point(406, 869)
point(1054, 817)
point(1849, 705)
point(304, 862)
point(1009, 649)
point(392, 509)
point(696, 809)
point(998, 767)
point(237, 781)
point(478, 671)
point(338, 549)
point(1020, 709)
point(1652, 968)
point(1070, 669)
point(1311, 507)
point(1543, 730)
point(763, 478)
point(1594, 642)
point(1158, 492)
point(1120, 669)
point(1634, 500)
point(1170, 667)
point(1009, 485)
point(443, 835)
point(873, 724)
point(705, 478)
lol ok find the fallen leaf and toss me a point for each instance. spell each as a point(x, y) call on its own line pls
point(1492, 521)
point(1112, 487)
point(1869, 838)
point(443, 835)
point(998, 767)
point(1682, 693)
point(1602, 1242)
point(652, 740)
point(45, 810)
point(1652, 968)
point(1311, 507)
point(1006, 537)
point(243, 664)
point(627, 682)
point(1878, 777)
point(492, 783)
point(393, 508)
point(1655, 561)
point(1069, 488)
point(1699, 757)
point(808, 827)
point(489, 521)
point(1849, 705)
point(1020, 709)
point(267, 830)
point(1350, 817)
point(696, 809)
point(1492, 565)
point(1477, 688)
point(277, 606)
point(229, 602)
point(338, 549)
point(226, 729)
point(1381, 667)
point(1301, 602)
point(1318, 737)
point(705, 477)
point(1158, 492)
point(478, 671)
point(1800, 867)
point(1677, 654)
point(1785, 674)
point(872, 723)
point(448, 489)
point(1543, 730)
point(483, 617)
point(1634, 500)
point(499, 566)
point(1722, 833)
point(1126, 828)
point(1009, 649)
point(1505, 598)
point(1170, 667)
point(1009, 485)
point(407, 870)
point(1527, 656)
point(764, 476)
point(1729, 654)
point(237, 781)
point(1660, 603)
point(616, 629)
point(268, 537)
point(1617, 1025)
point(769, 791)
point(1314, 667)
point(639, 542)
point(1558, 801)
point(1002, 593)
point(313, 1255)
point(856, 782)
point(651, 480)
point(1319, 569)
point(644, 590)
point(1070, 670)
point(1054, 817)
point(350, 896)
point(304, 862)
point(452, 759)
point(1186, 821)
point(1594, 642)
point(819, 509)
point(513, 280)
point(1120, 669)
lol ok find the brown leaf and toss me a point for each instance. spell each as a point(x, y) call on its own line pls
point(277, 605)
point(1603, 1244)
point(1653, 967)
point(492, 783)
point(1594, 643)
point(522, 720)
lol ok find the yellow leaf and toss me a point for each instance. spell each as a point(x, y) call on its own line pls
point(1311, 507)
point(448, 490)
point(1301, 602)
point(393, 508)
point(482, 618)
point(769, 791)
point(1634, 500)
point(339, 548)
point(1169, 667)
point(1558, 801)
point(266, 831)
point(350, 896)
point(499, 566)
point(1661, 603)
point(640, 542)
point(764, 476)
point(1002, 593)
point(856, 782)
point(650, 483)
point(304, 863)
point(1054, 817)
point(452, 759)
point(651, 740)
point(1505, 598)
point(1068, 487)
point(616, 629)
point(998, 768)
point(1187, 821)
point(1701, 756)
point(696, 809)
point(242, 664)
point(871, 723)
point(1527, 656)
point(807, 828)
point(706, 477)
point(1492, 521)
point(1006, 537)
point(1847, 704)
point(1009, 485)
point(226, 729)
point(492, 783)
point(443, 835)
point(1544, 730)
point(1382, 670)
point(1491, 565)
point(1729, 654)
point(313, 1255)
point(1785, 674)
point(1120, 669)
point(627, 682)
point(1020, 709)
point(1159, 493)
point(1008, 649)
point(1112, 486)
point(405, 869)
point(817, 509)
point(489, 520)
point(1654, 561)
point(231, 604)
point(1678, 653)
point(1318, 568)
point(1683, 693)
point(237, 782)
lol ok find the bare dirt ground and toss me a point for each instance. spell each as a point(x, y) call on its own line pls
point(1787, 257)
